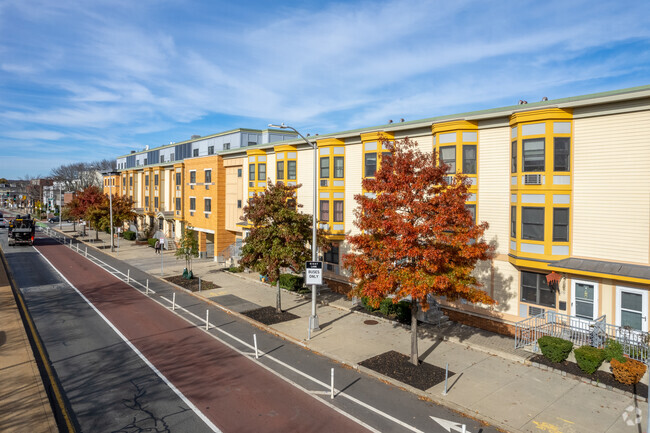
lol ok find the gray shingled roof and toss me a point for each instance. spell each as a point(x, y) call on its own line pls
point(603, 267)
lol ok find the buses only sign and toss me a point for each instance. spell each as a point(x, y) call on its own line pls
point(313, 273)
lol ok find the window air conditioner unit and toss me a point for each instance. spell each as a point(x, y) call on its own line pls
point(532, 179)
point(251, 184)
point(323, 182)
point(449, 179)
point(535, 311)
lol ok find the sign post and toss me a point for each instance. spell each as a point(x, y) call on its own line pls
point(162, 251)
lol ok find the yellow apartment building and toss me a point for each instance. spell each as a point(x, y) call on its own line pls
point(564, 185)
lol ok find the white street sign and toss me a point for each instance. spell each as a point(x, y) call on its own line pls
point(313, 273)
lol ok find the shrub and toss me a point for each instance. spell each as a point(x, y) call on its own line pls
point(152, 242)
point(290, 281)
point(613, 350)
point(628, 372)
point(386, 307)
point(365, 301)
point(235, 269)
point(554, 348)
point(589, 358)
point(129, 235)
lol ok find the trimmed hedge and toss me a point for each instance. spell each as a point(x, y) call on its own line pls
point(554, 348)
point(129, 235)
point(589, 358)
point(291, 282)
point(236, 269)
point(401, 311)
point(152, 242)
point(613, 350)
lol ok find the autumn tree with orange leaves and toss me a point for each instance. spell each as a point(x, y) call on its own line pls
point(416, 235)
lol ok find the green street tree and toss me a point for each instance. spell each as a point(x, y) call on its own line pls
point(187, 249)
point(416, 235)
point(280, 235)
point(122, 212)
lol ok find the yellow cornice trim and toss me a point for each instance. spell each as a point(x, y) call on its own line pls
point(538, 115)
point(455, 125)
point(525, 263)
point(254, 152)
point(330, 142)
point(376, 136)
point(285, 148)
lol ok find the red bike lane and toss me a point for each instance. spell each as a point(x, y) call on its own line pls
point(231, 391)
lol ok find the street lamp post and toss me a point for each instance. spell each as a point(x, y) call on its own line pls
point(60, 207)
point(313, 319)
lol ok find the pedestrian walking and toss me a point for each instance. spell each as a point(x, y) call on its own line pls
point(157, 247)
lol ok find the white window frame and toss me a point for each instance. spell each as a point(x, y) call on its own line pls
point(644, 307)
point(573, 296)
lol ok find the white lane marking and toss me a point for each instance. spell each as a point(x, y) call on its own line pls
point(289, 367)
point(146, 361)
point(295, 370)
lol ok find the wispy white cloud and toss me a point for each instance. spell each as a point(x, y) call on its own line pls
point(116, 75)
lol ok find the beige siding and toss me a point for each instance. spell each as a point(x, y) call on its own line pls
point(611, 184)
point(234, 192)
point(305, 176)
point(270, 167)
point(353, 173)
point(494, 186)
point(425, 142)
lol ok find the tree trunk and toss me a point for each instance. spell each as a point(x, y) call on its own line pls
point(96, 234)
point(278, 300)
point(414, 332)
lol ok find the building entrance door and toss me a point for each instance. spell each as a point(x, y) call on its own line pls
point(632, 308)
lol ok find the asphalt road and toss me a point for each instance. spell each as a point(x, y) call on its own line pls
point(110, 388)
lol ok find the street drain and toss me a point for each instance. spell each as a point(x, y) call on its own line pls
point(370, 322)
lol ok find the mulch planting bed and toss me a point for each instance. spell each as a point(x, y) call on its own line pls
point(192, 284)
point(268, 315)
point(398, 366)
point(640, 389)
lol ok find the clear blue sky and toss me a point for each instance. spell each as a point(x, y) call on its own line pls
point(84, 80)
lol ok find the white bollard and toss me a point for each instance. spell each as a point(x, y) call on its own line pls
point(207, 322)
point(86, 250)
point(464, 428)
point(70, 243)
point(128, 276)
point(255, 342)
point(332, 387)
point(446, 377)
point(146, 290)
point(173, 301)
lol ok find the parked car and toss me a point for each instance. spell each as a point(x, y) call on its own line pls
point(54, 219)
point(3, 223)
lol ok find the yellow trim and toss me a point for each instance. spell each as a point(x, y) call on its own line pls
point(285, 148)
point(539, 115)
point(330, 142)
point(531, 264)
point(454, 125)
point(255, 152)
point(376, 136)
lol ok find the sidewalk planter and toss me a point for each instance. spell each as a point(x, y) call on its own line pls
point(628, 371)
point(589, 358)
point(554, 348)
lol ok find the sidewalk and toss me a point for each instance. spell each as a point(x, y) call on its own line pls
point(492, 380)
point(24, 405)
